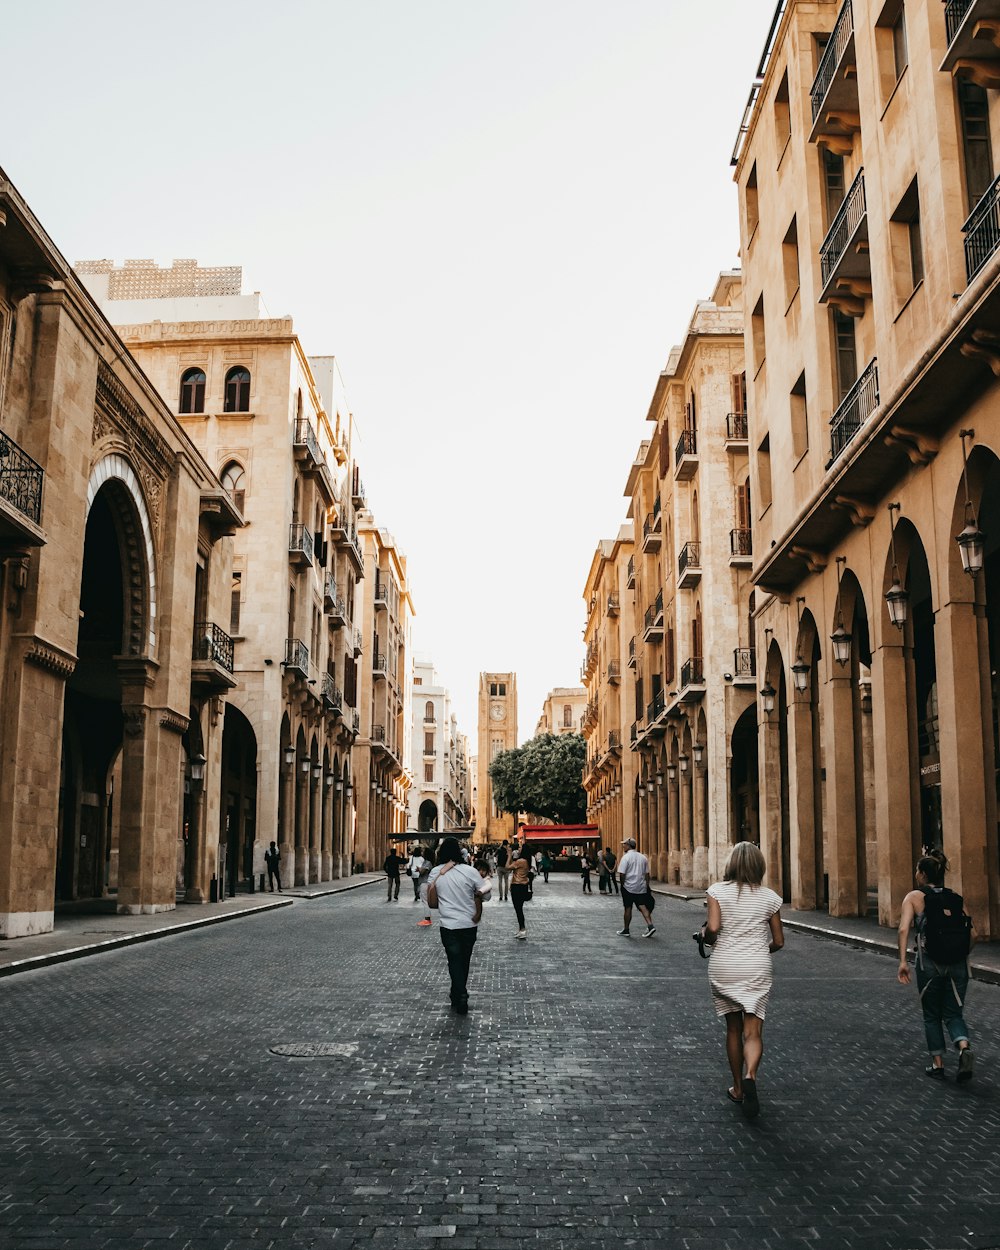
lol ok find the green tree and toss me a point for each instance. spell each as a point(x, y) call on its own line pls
point(543, 777)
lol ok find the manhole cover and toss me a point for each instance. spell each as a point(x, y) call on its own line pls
point(315, 1050)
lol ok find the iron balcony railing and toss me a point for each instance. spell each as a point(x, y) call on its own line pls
point(689, 557)
point(381, 593)
point(20, 480)
point(212, 643)
point(296, 655)
point(656, 707)
point(356, 721)
point(612, 605)
point(744, 662)
point(634, 734)
point(358, 642)
point(380, 664)
point(687, 445)
point(954, 16)
point(614, 670)
point(849, 216)
point(300, 540)
point(736, 427)
point(352, 539)
point(333, 696)
point(858, 405)
point(982, 231)
point(832, 56)
point(631, 650)
point(692, 672)
point(614, 740)
point(656, 506)
point(630, 579)
point(378, 733)
point(357, 490)
point(651, 526)
point(740, 542)
point(305, 436)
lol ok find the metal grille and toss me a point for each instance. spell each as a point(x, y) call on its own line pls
point(835, 49)
point(20, 480)
point(954, 15)
point(689, 557)
point(849, 217)
point(859, 404)
point(982, 231)
point(212, 643)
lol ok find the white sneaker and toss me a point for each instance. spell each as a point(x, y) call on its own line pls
point(521, 935)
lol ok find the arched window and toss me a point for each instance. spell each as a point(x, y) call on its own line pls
point(192, 391)
point(237, 390)
point(567, 716)
point(234, 481)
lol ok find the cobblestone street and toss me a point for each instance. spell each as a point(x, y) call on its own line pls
point(581, 1103)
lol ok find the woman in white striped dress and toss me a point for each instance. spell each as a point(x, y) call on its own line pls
point(743, 928)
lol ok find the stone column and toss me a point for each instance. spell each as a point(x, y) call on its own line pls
point(699, 871)
point(674, 831)
point(326, 832)
point(301, 825)
point(662, 867)
point(286, 833)
point(896, 781)
point(769, 772)
point(687, 842)
point(841, 795)
point(315, 826)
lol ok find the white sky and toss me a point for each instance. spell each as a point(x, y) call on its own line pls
point(498, 214)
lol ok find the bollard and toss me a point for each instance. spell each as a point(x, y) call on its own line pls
point(261, 886)
point(213, 891)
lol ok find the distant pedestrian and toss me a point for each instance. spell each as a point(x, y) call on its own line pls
point(520, 888)
point(272, 861)
point(585, 874)
point(610, 860)
point(633, 868)
point(503, 870)
point(603, 876)
point(945, 936)
point(546, 863)
point(743, 928)
point(423, 875)
point(456, 892)
point(413, 867)
point(391, 868)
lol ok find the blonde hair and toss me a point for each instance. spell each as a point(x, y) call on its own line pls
point(745, 865)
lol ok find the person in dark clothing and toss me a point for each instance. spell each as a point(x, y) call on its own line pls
point(391, 867)
point(546, 865)
point(610, 859)
point(272, 860)
point(585, 867)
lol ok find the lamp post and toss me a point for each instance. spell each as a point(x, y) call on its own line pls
point(896, 598)
point(972, 540)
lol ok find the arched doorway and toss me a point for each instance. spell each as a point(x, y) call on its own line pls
point(743, 786)
point(427, 817)
point(238, 809)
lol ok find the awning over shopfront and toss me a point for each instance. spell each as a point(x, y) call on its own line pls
point(566, 835)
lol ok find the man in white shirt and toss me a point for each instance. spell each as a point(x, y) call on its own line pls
point(413, 866)
point(633, 871)
point(456, 892)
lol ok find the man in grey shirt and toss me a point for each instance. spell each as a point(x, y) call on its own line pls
point(633, 869)
point(455, 890)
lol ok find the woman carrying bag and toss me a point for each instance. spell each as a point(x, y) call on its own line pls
point(520, 889)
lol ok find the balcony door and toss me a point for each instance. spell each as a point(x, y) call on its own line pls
point(977, 150)
point(846, 349)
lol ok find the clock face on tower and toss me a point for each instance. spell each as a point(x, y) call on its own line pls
point(497, 711)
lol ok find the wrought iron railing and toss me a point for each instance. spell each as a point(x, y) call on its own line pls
point(381, 593)
point(692, 672)
point(849, 217)
point(212, 643)
point(832, 56)
point(631, 650)
point(954, 16)
point(305, 436)
point(634, 733)
point(614, 740)
point(656, 506)
point(296, 655)
point(300, 540)
point(356, 721)
point(982, 231)
point(614, 670)
point(689, 557)
point(357, 489)
point(20, 480)
point(736, 427)
point(630, 578)
point(858, 405)
point(352, 539)
point(359, 644)
point(378, 733)
point(651, 526)
point(687, 445)
point(380, 664)
point(656, 706)
point(612, 605)
point(744, 662)
point(658, 606)
point(741, 542)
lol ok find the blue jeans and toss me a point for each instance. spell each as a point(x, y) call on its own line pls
point(942, 996)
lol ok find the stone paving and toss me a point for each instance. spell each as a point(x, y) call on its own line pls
point(581, 1103)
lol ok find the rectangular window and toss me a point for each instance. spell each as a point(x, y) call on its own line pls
point(799, 418)
point(977, 151)
point(428, 744)
point(752, 214)
point(833, 184)
point(758, 336)
point(234, 604)
point(740, 393)
point(890, 46)
point(503, 688)
point(764, 473)
point(782, 117)
point(906, 244)
point(428, 771)
point(899, 43)
point(790, 259)
point(493, 687)
point(846, 353)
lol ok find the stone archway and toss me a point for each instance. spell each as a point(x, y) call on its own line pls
point(427, 817)
point(238, 806)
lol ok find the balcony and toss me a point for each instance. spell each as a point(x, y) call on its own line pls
point(614, 672)
point(686, 456)
point(378, 734)
point(296, 657)
point(689, 566)
point(744, 666)
point(212, 657)
point(656, 708)
point(973, 29)
point(301, 548)
point(21, 481)
point(692, 683)
point(352, 548)
point(982, 230)
point(630, 576)
point(858, 405)
point(380, 667)
point(590, 663)
point(614, 741)
point(834, 93)
point(222, 511)
point(651, 529)
point(740, 547)
point(612, 605)
point(633, 735)
point(358, 643)
point(737, 431)
point(381, 594)
point(333, 696)
point(631, 653)
point(845, 264)
point(309, 455)
point(355, 722)
point(358, 498)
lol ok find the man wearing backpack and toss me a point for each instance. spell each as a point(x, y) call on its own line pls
point(944, 936)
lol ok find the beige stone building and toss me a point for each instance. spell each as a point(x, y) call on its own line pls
point(273, 425)
point(610, 771)
point(116, 563)
point(563, 710)
point(866, 170)
point(440, 799)
point(497, 732)
point(381, 759)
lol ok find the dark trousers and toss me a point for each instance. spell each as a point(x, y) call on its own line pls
point(273, 874)
point(458, 944)
point(416, 887)
point(545, 874)
point(393, 879)
point(519, 896)
point(586, 883)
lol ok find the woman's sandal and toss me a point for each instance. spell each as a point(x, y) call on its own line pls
point(751, 1105)
point(732, 1097)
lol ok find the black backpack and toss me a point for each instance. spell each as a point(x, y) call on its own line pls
point(947, 930)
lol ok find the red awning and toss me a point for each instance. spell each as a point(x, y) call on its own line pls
point(567, 834)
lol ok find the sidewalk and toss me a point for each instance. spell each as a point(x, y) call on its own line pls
point(859, 931)
point(97, 927)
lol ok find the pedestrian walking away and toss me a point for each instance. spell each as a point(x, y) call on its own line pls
point(391, 867)
point(456, 892)
point(944, 938)
point(744, 929)
point(585, 874)
point(503, 871)
point(633, 869)
point(423, 874)
point(610, 860)
point(546, 862)
point(413, 866)
point(520, 889)
point(272, 861)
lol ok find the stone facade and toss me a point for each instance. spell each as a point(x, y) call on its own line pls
point(563, 711)
point(440, 799)
point(497, 732)
point(868, 215)
point(115, 547)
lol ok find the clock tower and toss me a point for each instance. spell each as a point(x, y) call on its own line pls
point(497, 732)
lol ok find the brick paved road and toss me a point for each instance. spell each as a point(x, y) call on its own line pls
point(580, 1104)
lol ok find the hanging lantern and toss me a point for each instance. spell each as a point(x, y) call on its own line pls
point(896, 598)
point(198, 763)
point(972, 540)
point(289, 756)
point(305, 765)
point(841, 640)
point(683, 761)
point(800, 674)
point(659, 777)
point(767, 695)
point(672, 772)
point(698, 751)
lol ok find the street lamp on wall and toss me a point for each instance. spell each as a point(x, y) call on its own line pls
point(659, 777)
point(306, 764)
point(698, 752)
point(350, 789)
point(972, 540)
point(672, 772)
point(317, 772)
point(800, 669)
point(683, 760)
point(289, 754)
point(198, 763)
point(329, 779)
point(896, 598)
point(840, 638)
point(767, 695)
